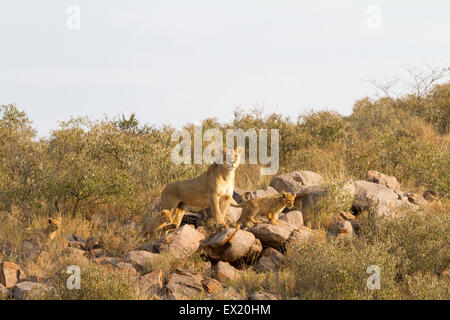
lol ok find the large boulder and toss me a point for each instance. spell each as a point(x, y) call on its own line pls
point(10, 274)
point(292, 220)
point(22, 289)
point(296, 181)
point(271, 235)
point(149, 285)
point(212, 286)
point(270, 259)
point(303, 234)
point(182, 242)
point(378, 177)
point(231, 245)
point(141, 259)
point(224, 272)
point(379, 199)
point(311, 198)
point(266, 192)
point(184, 285)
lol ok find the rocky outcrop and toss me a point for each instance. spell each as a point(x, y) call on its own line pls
point(296, 181)
point(10, 274)
point(184, 285)
point(270, 259)
point(271, 235)
point(182, 242)
point(379, 199)
point(224, 272)
point(141, 259)
point(231, 245)
point(22, 289)
point(383, 179)
point(149, 286)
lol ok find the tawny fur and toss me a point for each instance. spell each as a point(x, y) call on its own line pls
point(157, 224)
point(270, 206)
point(213, 189)
point(47, 233)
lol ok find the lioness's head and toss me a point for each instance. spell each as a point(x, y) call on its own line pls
point(232, 158)
point(53, 224)
point(289, 199)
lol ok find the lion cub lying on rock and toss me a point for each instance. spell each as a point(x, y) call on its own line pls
point(158, 223)
point(270, 206)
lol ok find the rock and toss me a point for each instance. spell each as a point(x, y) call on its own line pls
point(262, 295)
point(379, 199)
point(429, 195)
point(149, 285)
point(303, 234)
point(294, 219)
point(243, 244)
point(417, 199)
point(74, 237)
point(212, 286)
point(4, 292)
point(184, 285)
point(233, 215)
point(192, 218)
point(270, 259)
point(10, 274)
point(141, 259)
point(380, 178)
point(125, 266)
point(181, 243)
point(266, 192)
point(340, 227)
point(228, 293)
point(270, 235)
point(295, 181)
point(76, 244)
point(312, 197)
point(231, 245)
point(224, 272)
point(254, 251)
point(238, 194)
point(22, 289)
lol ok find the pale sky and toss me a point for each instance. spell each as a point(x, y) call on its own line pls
point(174, 62)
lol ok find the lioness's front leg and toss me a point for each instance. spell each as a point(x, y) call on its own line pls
point(224, 205)
point(215, 207)
point(179, 213)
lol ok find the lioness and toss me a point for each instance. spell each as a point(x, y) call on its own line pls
point(214, 189)
point(47, 233)
point(157, 223)
point(270, 206)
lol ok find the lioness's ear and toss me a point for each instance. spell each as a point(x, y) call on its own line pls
point(50, 220)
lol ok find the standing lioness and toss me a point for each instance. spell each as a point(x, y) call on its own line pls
point(214, 189)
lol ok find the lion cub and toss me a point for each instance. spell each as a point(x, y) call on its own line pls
point(47, 233)
point(270, 206)
point(158, 223)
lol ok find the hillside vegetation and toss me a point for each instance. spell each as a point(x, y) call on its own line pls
point(98, 174)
